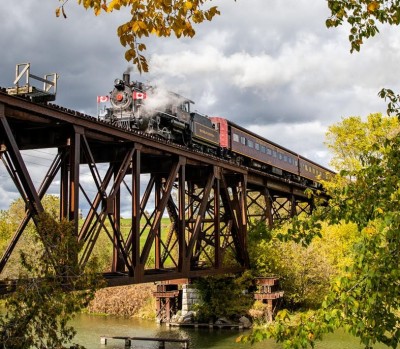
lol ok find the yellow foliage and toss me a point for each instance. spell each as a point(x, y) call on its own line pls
point(373, 6)
point(155, 17)
point(188, 5)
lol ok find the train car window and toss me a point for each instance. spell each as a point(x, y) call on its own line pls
point(235, 137)
point(290, 160)
point(280, 156)
point(285, 158)
point(263, 149)
point(274, 153)
point(243, 140)
point(295, 162)
point(256, 146)
point(250, 143)
point(185, 107)
point(269, 151)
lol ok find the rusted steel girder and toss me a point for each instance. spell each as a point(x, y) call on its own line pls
point(201, 230)
point(48, 179)
point(189, 212)
point(273, 206)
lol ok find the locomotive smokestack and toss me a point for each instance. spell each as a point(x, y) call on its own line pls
point(127, 76)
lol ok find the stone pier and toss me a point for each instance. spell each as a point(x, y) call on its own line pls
point(190, 296)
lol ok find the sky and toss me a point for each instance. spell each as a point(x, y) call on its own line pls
point(270, 66)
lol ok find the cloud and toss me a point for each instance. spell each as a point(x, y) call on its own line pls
point(272, 67)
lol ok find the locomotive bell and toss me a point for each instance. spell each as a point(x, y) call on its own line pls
point(119, 84)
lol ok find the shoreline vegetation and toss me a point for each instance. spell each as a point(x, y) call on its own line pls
point(133, 301)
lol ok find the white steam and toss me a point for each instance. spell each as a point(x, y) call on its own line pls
point(161, 100)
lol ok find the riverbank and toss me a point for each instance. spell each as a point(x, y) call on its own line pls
point(127, 301)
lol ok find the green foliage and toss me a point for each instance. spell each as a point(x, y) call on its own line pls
point(394, 101)
point(9, 222)
point(305, 272)
point(224, 296)
point(353, 136)
point(6, 229)
point(363, 17)
point(50, 290)
point(364, 298)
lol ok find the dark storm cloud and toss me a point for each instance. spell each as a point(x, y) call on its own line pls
point(83, 49)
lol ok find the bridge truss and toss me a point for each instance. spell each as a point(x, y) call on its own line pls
point(188, 212)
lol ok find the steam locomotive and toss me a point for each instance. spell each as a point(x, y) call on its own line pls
point(136, 106)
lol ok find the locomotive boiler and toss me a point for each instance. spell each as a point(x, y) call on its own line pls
point(136, 106)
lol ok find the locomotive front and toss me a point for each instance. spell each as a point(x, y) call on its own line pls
point(156, 111)
point(153, 110)
point(126, 100)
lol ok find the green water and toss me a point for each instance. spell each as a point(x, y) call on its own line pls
point(90, 328)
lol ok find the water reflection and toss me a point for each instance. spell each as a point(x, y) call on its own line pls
point(90, 328)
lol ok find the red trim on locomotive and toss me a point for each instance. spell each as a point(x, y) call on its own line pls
point(221, 125)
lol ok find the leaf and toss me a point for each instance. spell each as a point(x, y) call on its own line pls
point(372, 6)
point(188, 5)
point(58, 12)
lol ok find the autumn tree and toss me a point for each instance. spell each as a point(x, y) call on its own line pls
point(364, 298)
point(50, 290)
point(352, 136)
point(304, 272)
point(364, 16)
point(162, 18)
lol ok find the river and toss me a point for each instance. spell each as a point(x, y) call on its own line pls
point(91, 327)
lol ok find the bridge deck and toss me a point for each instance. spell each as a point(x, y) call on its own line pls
point(209, 200)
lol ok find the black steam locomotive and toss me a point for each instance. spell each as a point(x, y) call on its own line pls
point(135, 106)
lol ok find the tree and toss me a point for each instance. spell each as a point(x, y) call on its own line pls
point(364, 299)
point(363, 16)
point(9, 221)
point(50, 290)
point(352, 136)
point(162, 18)
point(235, 300)
point(304, 272)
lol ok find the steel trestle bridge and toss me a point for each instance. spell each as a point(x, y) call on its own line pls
point(209, 201)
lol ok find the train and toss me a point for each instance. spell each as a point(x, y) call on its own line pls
point(165, 114)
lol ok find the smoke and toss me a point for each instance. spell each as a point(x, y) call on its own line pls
point(128, 70)
point(160, 99)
